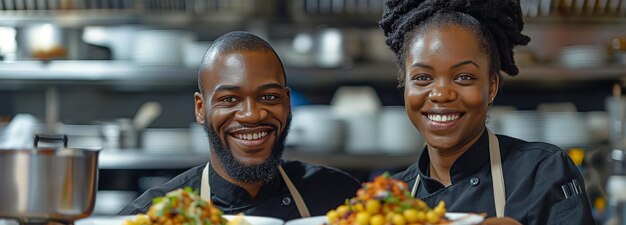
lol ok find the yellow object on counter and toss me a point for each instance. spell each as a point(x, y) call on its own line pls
point(577, 155)
point(599, 204)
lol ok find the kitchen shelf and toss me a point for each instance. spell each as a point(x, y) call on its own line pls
point(126, 73)
point(558, 73)
point(93, 71)
point(111, 17)
point(138, 159)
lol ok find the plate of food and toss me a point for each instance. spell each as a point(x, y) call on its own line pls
point(388, 201)
point(182, 206)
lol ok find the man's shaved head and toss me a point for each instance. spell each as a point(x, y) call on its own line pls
point(236, 41)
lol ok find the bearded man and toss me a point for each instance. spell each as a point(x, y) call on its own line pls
point(244, 106)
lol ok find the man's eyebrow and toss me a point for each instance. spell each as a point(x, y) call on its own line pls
point(464, 63)
point(226, 87)
point(270, 86)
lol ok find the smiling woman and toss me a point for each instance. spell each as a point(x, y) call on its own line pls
point(448, 88)
point(450, 54)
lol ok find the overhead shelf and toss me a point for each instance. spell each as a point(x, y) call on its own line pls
point(128, 73)
point(95, 72)
point(558, 73)
point(111, 17)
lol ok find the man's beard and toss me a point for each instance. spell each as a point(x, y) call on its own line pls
point(238, 170)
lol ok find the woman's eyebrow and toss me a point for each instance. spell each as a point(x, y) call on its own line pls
point(466, 62)
point(419, 64)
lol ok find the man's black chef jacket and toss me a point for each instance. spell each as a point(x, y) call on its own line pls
point(533, 175)
point(321, 188)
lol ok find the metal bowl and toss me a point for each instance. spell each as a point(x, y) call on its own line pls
point(48, 184)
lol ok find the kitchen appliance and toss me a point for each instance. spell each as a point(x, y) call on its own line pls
point(48, 184)
point(125, 133)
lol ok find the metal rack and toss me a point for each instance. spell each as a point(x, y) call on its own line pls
point(126, 73)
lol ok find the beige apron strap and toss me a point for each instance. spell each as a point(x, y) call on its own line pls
point(205, 189)
point(304, 211)
point(499, 194)
point(417, 183)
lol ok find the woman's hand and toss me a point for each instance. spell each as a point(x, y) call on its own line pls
point(500, 221)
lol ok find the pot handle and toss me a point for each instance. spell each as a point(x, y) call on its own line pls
point(51, 138)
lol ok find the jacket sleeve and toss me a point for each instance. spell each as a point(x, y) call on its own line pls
point(552, 207)
point(142, 203)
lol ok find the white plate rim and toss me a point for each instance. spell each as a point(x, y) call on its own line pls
point(469, 219)
point(117, 220)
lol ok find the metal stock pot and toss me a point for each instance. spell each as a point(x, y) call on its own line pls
point(48, 183)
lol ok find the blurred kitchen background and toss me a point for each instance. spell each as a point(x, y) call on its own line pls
point(121, 74)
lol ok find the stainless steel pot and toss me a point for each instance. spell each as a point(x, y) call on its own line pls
point(48, 184)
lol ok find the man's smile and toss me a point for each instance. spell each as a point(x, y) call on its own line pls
point(248, 138)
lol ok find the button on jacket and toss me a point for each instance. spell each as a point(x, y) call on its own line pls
point(534, 173)
point(322, 189)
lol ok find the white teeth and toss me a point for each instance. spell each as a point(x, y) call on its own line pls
point(252, 136)
point(443, 118)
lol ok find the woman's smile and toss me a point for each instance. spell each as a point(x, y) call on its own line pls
point(444, 121)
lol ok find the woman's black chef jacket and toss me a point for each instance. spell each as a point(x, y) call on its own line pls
point(321, 188)
point(533, 175)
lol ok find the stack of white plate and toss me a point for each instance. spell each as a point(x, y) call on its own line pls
point(194, 52)
point(494, 116)
point(166, 140)
point(199, 138)
point(396, 132)
point(358, 107)
point(315, 128)
point(598, 124)
point(583, 56)
point(566, 129)
point(525, 125)
point(160, 47)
